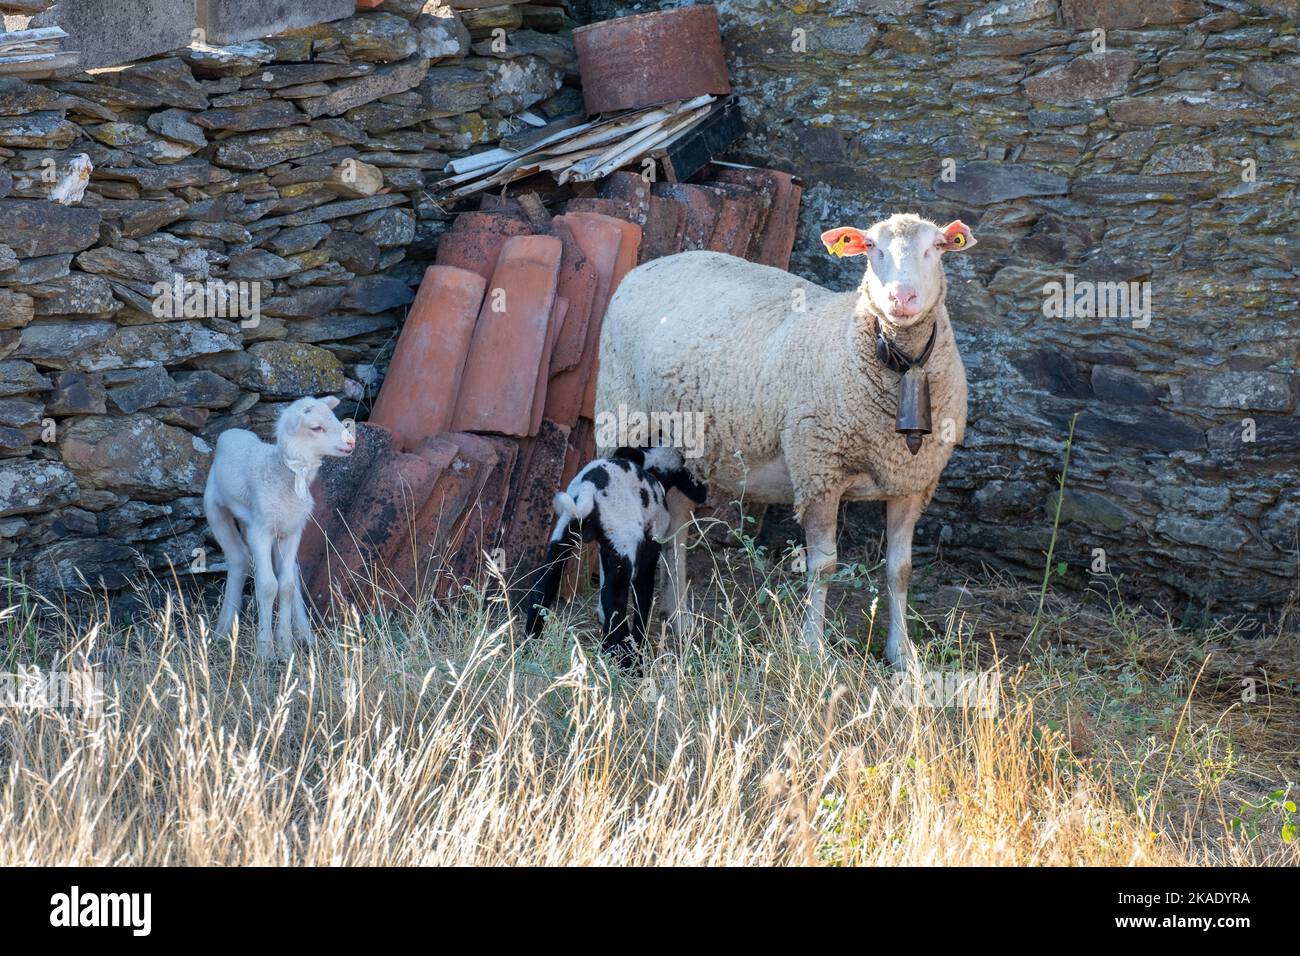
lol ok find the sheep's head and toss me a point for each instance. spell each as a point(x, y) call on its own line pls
point(904, 277)
point(309, 431)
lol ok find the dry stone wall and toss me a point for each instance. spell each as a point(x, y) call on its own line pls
point(1086, 141)
point(288, 171)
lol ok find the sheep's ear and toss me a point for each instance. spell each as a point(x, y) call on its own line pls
point(957, 236)
point(289, 424)
point(846, 241)
point(330, 401)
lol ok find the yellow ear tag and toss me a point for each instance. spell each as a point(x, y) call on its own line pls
point(959, 240)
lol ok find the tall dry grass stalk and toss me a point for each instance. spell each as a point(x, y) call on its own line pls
point(427, 737)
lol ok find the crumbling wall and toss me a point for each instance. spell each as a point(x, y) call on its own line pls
point(291, 170)
point(1148, 141)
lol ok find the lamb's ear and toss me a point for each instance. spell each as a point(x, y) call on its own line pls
point(288, 424)
point(846, 241)
point(330, 401)
point(957, 237)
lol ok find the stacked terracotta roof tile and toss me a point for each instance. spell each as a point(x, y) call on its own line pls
point(487, 408)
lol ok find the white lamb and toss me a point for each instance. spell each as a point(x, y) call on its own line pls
point(257, 500)
point(799, 405)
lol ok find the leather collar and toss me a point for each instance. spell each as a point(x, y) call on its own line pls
point(894, 358)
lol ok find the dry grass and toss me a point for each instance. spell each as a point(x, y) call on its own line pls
point(426, 737)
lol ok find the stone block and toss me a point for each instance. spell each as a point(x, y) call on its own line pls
point(231, 21)
point(110, 33)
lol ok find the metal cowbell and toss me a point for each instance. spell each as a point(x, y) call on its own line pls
point(913, 420)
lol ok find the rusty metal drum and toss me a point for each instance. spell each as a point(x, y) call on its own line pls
point(651, 58)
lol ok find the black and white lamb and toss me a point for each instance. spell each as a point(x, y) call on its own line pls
point(620, 502)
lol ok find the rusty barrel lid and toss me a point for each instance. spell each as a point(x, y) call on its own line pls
point(651, 58)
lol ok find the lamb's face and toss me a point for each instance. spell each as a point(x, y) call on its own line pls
point(904, 277)
point(313, 429)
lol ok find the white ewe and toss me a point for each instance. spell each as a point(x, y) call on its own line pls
point(799, 386)
point(257, 500)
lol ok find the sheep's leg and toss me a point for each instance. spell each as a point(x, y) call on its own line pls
point(643, 587)
point(901, 515)
point(286, 576)
point(238, 563)
point(265, 586)
point(820, 525)
point(301, 619)
point(566, 542)
point(679, 511)
point(614, 602)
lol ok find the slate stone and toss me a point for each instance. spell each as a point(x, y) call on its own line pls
point(267, 114)
point(31, 486)
point(1149, 429)
point(291, 370)
point(1195, 108)
point(19, 96)
point(311, 302)
point(159, 177)
point(1112, 384)
point(1091, 76)
point(279, 76)
point(236, 59)
point(441, 34)
point(336, 328)
point(136, 455)
point(377, 37)
point(384, 81)
point(44, 130)
point(166, 343)
point(164, 82)
point(450, 90)
point(76, 393)
point(16, 309)
point(357, 253)
point(260, 264)
point(301, 239)
point(57, 343)
point(19, 377)
point(982, 183)
point(106, 260)
point(259, 150)
point(1261, 391)
point(77, 294)
point(145, 388)
point(1126, 15)
point(177, 125)
point(204, 389)
point(371, 294)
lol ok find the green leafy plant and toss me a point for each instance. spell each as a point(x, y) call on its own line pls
point(1276, 807)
